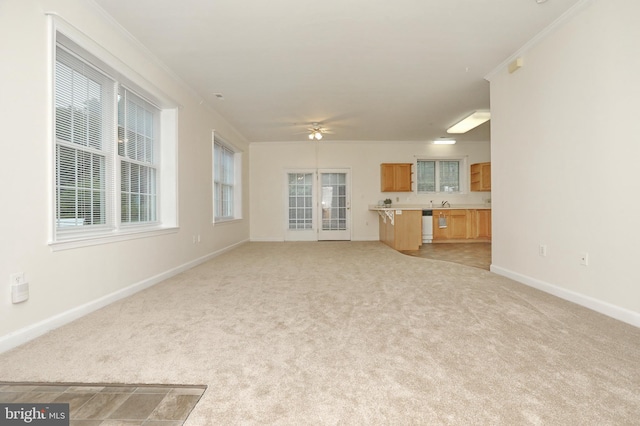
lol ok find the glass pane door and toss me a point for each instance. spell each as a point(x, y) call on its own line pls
point(335, 205)
point(318, 205)
point(300, 206)
point(300, 189)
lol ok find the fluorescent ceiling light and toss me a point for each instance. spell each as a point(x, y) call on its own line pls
point(444, 142)
point(471, 122)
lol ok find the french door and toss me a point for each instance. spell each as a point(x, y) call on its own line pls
point(334, 205)
point(318, 204)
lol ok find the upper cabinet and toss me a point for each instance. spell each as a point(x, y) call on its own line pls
point(395, 177)
point(481, 177)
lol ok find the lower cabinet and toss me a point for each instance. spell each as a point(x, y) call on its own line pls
point(457, 225)
point(482, 224)
point(450, 225)
point(405, 233)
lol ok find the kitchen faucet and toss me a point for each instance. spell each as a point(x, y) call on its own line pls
point(447, 203)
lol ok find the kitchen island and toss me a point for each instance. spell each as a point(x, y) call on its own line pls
point(400, 226)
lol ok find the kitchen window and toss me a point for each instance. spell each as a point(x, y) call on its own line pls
point(109, 135)
point(441, 175)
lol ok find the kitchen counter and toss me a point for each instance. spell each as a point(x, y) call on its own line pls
point(401, 225)
point(374, 207)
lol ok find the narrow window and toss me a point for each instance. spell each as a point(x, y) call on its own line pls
point(84, 141)
point(137, 138)
point(223, 182)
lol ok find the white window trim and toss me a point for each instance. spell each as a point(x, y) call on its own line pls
point(464, 174)
point(237, 181)
point(167, 204)
point(121, 236)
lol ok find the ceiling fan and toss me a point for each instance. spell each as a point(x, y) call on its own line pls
point(316, 131)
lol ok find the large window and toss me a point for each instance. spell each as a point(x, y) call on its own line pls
point(107, 148)
point(226, 182)
point(445, 175)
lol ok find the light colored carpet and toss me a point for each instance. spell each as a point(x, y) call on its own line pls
point(352, 333)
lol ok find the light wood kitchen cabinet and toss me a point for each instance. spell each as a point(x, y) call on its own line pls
point(481, 177)
point(405, 233)
point(395, 177)
point(463, 225)
point(481, 224)
point(441, 234)
point(457, 225)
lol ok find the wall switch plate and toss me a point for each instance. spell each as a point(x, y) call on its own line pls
point(542, 250)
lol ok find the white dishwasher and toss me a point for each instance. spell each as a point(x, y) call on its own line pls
point(427, 226)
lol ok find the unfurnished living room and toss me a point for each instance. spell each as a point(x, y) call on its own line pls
point(223, 213)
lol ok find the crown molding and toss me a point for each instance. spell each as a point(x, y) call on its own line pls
point(550, 29)
point(142, 49)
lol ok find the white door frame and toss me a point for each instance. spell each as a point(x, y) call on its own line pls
point(301, 234)
point(340, 234)
point(316, 233)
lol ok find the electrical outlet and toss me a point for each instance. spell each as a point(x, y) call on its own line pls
point(542, 250)
point(19, 288)
point(584, 259)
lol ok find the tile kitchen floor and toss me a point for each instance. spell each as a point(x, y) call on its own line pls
point(111, 405)
point(471, 254)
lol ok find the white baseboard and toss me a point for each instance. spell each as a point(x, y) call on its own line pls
point(605, 308)
point(30, 332)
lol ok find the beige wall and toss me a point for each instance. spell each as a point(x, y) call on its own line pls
point(70, 282)
point(268, 212)
point(565, 150)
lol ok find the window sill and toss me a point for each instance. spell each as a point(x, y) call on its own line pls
point(442, 192)
point(226, 221)
point(111, 238)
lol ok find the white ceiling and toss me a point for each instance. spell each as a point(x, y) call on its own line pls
point(366, 69)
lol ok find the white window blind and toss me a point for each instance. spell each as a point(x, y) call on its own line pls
point(137, 138)
point(83, 138)
point(223, 179)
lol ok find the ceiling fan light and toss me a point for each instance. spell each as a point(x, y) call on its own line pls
point(311, 136)
point(318, 135)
